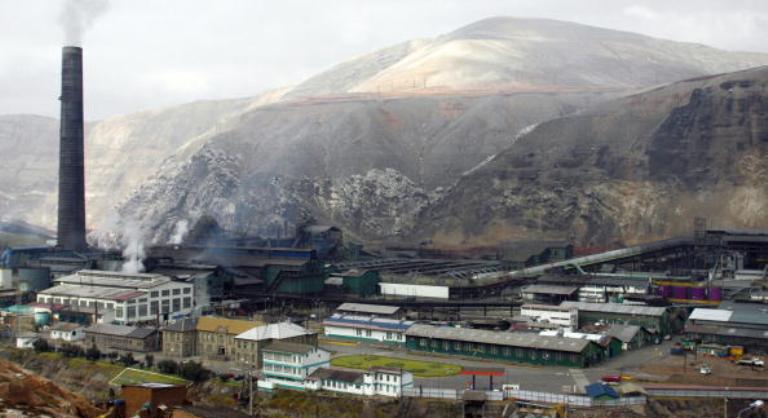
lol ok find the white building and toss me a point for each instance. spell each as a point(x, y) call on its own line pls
point(248, 344)
point(133, 297)
point(289, 364)
point(67, 331)
point(565, 317)
point(376, 381)
point(366, 328)
point(26, 339)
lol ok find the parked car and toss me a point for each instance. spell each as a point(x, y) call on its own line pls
point(754, 361)
point(705, 369)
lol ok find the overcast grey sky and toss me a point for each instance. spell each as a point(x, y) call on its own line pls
point(143, 54)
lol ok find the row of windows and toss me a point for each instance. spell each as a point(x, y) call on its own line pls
point(167, 292)
point(154, 308)
point(279, 368)
point(285, 358)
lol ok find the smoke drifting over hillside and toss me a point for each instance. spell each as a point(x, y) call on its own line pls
point(77, 16)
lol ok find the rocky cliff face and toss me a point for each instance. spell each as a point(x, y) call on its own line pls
point(377, 143)
point(368, 165)
point(634, 169)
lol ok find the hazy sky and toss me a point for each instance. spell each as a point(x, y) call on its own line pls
point(143, 54)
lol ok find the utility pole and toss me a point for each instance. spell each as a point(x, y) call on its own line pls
point(250, 393)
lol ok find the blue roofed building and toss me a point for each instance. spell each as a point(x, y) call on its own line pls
point(601, 392)
point(367, 328)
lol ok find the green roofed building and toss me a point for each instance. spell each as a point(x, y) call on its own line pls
point(516, 347)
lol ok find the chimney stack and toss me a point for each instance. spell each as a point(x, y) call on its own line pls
point(71, 222)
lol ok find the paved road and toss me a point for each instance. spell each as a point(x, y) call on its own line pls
point(550, 378)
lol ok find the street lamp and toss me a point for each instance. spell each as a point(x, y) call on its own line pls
point(754, 405)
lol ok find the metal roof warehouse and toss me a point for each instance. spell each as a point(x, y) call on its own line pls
point(505, 346)
point(616, 308)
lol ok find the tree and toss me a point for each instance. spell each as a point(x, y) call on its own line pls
point(41, 345)
point(93, 353)
point(128, 360)
point(113, 355)
point(194, 371)
point(71, 350)
point(149, 360)
point(168, 366)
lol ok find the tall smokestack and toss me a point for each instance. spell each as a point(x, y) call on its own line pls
point(71, 228)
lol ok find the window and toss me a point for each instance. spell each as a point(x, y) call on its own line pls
point(119, 312)
point(143, 300)
point(143, 309)
point(359, 332)
point(423, 342)
point(154, 294)
point(368, 333)
point(187, 290)
point(166, 292)
point(166, 306)
point(176, 292)
point(389, 335)
point(131, 312)
point(153, 307)
point(176, 305)
point(187, 302)
point(131, 301)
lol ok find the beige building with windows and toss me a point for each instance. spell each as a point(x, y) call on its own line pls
point(180, 338)
point(216, 336)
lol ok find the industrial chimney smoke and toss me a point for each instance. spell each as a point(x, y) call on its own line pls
point(71, 228)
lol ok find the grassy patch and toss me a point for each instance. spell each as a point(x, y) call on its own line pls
point(417, 367)
point(136, 377)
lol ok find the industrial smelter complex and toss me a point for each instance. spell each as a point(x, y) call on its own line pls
point(261, 303)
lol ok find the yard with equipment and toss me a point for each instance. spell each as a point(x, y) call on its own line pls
point(417, 367)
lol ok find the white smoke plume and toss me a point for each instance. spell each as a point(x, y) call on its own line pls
point(132, 239)
point(77, 16)
point(179, 232)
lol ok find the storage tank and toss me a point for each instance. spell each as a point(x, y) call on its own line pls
point(698, 293)
point(715, 294)
point(680, 292)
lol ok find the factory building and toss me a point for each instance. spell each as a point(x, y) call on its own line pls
point(255, 270)
point(361, 283)
point(249, 344)
point(366, 328)
point(744, 324)
point(128, 297)
point(380, 311)
point(180, 338)
point(211, 283)
point(655, 319)
point(504, 346)
point(564, 317)
point(216, 336)
point(109, 337)
point(632, 337)
point(548, 294)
